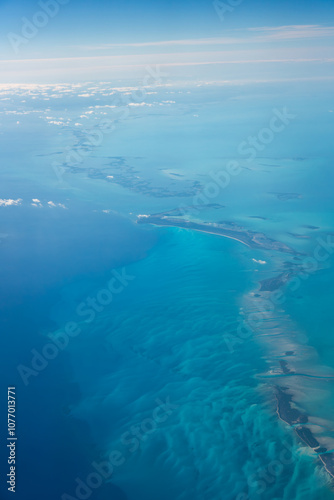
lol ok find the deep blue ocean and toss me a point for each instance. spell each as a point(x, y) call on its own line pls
point(158, 382)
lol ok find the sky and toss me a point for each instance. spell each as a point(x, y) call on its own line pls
point(52, 41)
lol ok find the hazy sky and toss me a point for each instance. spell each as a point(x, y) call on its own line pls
point(70, 40)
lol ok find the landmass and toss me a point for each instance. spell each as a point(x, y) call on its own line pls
point(251, 239)
point(285, 406)
point(272, 284)
point(186, 209)
point(257, 217)
point(311, 227)
point(299, 236)
point(119, 171)
point(298, 419)
point(287, 196)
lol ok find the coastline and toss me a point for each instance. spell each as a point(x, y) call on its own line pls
point(286, 411)
point(256, 240)
point(298, 421)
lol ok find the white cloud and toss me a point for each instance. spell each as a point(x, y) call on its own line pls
point(247, 55)
point(9, 202)
point(292, 32)
point(54, 205)
point(288, 32)
point(259, 261)
point(99, 107)
point(36, 202)
point(140, 104)
point(55, 122)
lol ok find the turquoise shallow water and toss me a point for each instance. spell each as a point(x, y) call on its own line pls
point(317, 396)
point(163, 337)
point(167, 336)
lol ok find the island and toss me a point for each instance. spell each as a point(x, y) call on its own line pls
point(227, 229)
